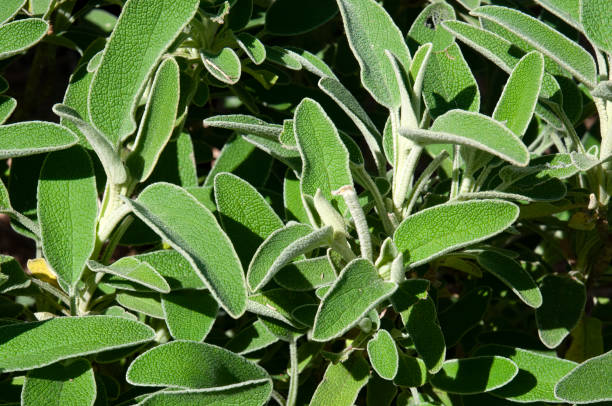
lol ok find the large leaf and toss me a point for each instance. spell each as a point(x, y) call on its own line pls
point(127, 64)
point(194, 232)
point(67, 212)
point(17, 36)
point(26, 346)
point(567, 10)
point(371, 31)
point(306, 274)
point(174, 268)
point(589, 382)
point(427, 26)
point(474, 375)
point(440, 229)
point(9, 8)
point(341, 383)
point(595, 18)
point(189, 314)
point(422, 325)
point(33, 137)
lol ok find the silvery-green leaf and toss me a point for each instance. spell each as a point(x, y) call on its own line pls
point(17, 36)
point(427, 26)
point(252, 338)
point(7, 106)
point(94, 62)
point(9, 8)
point(190, 228)
point(157, 121)
point(371, 31)
point(603, 90)
point(464, 315)
point(189, 314)
point(33, 137)
point(292, 198)
point(255, 50)
point(67, 212)
point(282, 57)
point(356, 291)
point(383, 354)
point(112, 101)
point(311, 62)
point(174, 268)
point(563, 303)
point(567, 10)
point(595, 18)
point(438, 230)
point(305, 16)
point(70, 382)
point(306, 274)
point(223, 65)
point(474, 375)
point(589, 382)
point(342, 382)
point(537, 376)
point(36, 344)
point(147, 303)
point(545, 39)
point(132, 269)
point(513, 275)
point(279, 304)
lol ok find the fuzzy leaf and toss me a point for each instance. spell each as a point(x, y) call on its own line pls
point(371, 31)
point(174, 268)
point(189, 314)
point(427, 26)
point(342, 383)
point(17, 36)
point(31, 345)
point(383, 354)
point(194, 232)
point(127, 63)
point(7, 106)
point(440, 229)
point(595, 18)
point(312, 63)
point(306, 274)
point(252, 338)
point(224, 65)
point(292, 198)
point(474, 375)
point(587, 340)
point(9, 8)
point(131, 269)
point(255, 50)
point(147, 303)
point(567, 10)
point(589, 382)
point(67, 212)
point(33, 137)
point(422, 324)
point(356, 291)
point(411, 373)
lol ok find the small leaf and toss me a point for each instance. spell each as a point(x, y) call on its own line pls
point(71, 383)
point(594, 16)
point(142, 302)
point(7, 106)
point(252, 338)
point(356, 291)
point(189, 314)
point(17, 36)
point(67, 212)
point(563, 302)
point(370, 31)
point(474, 375)
point(411, 373)
point(305, 17)
point(280, 304)
point(224, 65)
point(282, 57)
point(383, 354)
point(191, 365)
point(589, 382)
point(16, 277)
point(255, 50)
point(545, 39)
point(513, 275)
point(306, 274)
point(112, 101)
point(33, 137)
point(31, 345)
point(131, 269)
point(436, 231)
point(9, 8)
point(311, 62)
point(190, 228)
point(341, 383)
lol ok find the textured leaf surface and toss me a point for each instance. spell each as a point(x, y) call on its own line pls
point(7, 106)
point(342, 383)
point(383, 354)
point(356, 291)
point(174, 268)
point(474, 375)
point(25, 346)
point(435, 231)
point(371, 31)
point(252, 338)
point(255, 50)
point(224, 65)
point(71, 383)
point(589, 382)
point(9, 8)
point(190, 314)
point(20, 35)
point(595, 18)
point(306, 274)
point(191, 365)
point(128, 61)
point(132, 269)
point(411, 373)
point(251, 394)
point(67, 212)
point(190, 228)
point(146, 303)
point(427, 26)
point(33, 137)
point(587, 340)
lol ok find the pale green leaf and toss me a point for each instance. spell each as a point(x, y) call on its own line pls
point(128, 62)
point(7, 106)
point(292, 198)
point(33, 137)
point(427, 26)
point(474, 375)
point(306, 274)
point(223, 65)
point(94, 62)
point(68, 383)
point(67, 212)
point(255, 50)
point(142, 302)
point(311, 62)
point(174, 268)
point(189, 314)
point(371, 31)
point(194, 232)
point(341, 383)
point(9, 8)
point(383, 354)
point(440, 229)
point(132, 269)
point(31, 345)
point(282, 57)
point(17, 36)
point(589, 382)
point(595, 18)
point(567, 10)
point(356, 291)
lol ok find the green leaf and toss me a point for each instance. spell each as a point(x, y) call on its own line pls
point(190, 314)
point(255, 393)
point(69, 383)
point(474, 375)
point(279, 304)
point(194, 232)
point(380, 392)
point(594, 16)
point(176, 163)
point(252, 338)
point(513, 275)
point(174, 268)
point(146, 303)
point(311, 62)
point(15, 277)
point(292, 198)
point(306, 274)
point(438, 230)
point(422, 324)
point(157, 121)
point(9, 8)
point(427, 26)
point(191, 365)
point(67, 212)
point(341, 383)
point(17, 36)
point(449, 84)
point(255, 50)
point(383, 354)
point(325, 159)
point(356, 291)
point(411, 373)
point(282, 57)
point(132, 269)
point(563, 302)
point(305, 16)
point(223, 65)
point(587, 340)
point(589, 382)
point(567, 10)
point(545, 39)
point(111, 100)
point(464, 315)
point(7, 106)
point(537, 376)
point(245, 215)
point(33, 137)
point(370, 31)
point(31, 345)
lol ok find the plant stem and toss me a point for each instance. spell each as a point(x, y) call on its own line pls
point(349, 195)
point(293, 373)
point(364, 179)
